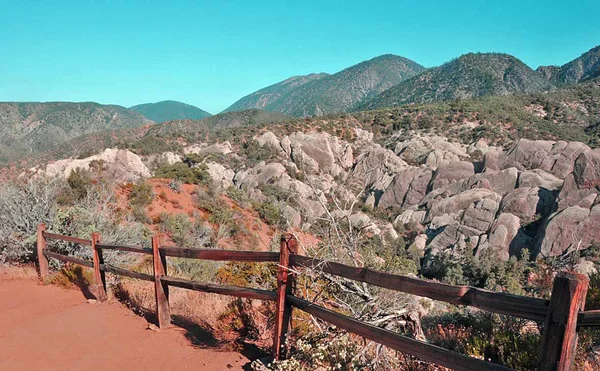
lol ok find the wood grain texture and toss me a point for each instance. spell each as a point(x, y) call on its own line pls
point(40, 247)
point(99, 276)
point(136, 249)
point(588, 318)
point(224, 255)
point(60, 237)
point(285, 281)
point(560, 328)
point(241, 292)
point(127, 273)
point(70, 259)
point(497, 302)
point(425, 351)
point(161, 289)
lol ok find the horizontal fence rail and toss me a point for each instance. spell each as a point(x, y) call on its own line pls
point(589, 318)
point(496, 302)
point(561, 315)
point(136, 249)
point(80, 241)
point(242, 292)
point(425, 351)
point(221, 255)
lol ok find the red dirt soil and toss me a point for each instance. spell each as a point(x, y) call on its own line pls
point(45, 327)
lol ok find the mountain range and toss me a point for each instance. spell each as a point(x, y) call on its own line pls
point(382, 82)
point(581, 69)
point(320, 94)
point(170, 110)
point(470, 75)
point(29, 128)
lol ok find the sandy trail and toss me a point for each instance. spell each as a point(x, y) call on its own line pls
point(44, 327)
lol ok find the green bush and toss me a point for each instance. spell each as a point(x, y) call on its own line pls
point(141, 195)
point(79, 181)
point(184, 173)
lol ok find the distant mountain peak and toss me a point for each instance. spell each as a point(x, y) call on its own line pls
point(168, 110)
point(470, 75)
point(318, 94)
point(583, 68)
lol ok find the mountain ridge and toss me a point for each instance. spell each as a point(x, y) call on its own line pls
point(339, 91)
point(168, 110)
point(468, 76)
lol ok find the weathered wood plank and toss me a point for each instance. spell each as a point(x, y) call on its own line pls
point(136, 249)
point(560, 329)
point(127, 273)
point(242, 292)
point(55, 236)
point(224, 255)
point(285, 281)
point(425, 351)
point(99, 277)
point(163, 313)
point(497, 302)
point(588, 318)
point(40, 248)
point(70, 259)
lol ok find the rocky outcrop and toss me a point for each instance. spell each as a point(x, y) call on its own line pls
point(574, 228)
point(433, 151)
point(221, 175)
point(452, 172)
point(502, 233)
point(203, 149)
point(408, 188)
point(117, 164)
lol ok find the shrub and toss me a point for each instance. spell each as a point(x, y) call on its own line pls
point(185, 174)
point(141, 194)
point(79, 181)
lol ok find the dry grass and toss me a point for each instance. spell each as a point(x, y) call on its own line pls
point(17, 272)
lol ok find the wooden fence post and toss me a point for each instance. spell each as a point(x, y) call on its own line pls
point(99, 275)
point(163, 313)
point(285, 282)
point(560, 328)
point(41, 246)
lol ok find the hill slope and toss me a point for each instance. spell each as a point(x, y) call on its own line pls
point(342, 90)
point(471, 75)
point(263, 97)
point(29, 128)
point(170, 110)
point(583, 68)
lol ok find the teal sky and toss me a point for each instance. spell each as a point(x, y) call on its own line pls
point(210, 54)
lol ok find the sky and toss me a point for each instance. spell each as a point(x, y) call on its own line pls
point(211, 53)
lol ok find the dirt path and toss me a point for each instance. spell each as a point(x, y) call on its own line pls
point(50, 328)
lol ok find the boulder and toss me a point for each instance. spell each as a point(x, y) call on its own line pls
point(527, 154)
point(262, 173)
point(503, 231)
point(270, 139)
point(203, 149)
point(117, 164)
point(375, 169)
point(433, 151)
point(561, 158)
point(452, 172)
point(526, 202)
point(474, 208)
point(220, 174)
point(539, 178)
point(408, 188)
point(561, 232)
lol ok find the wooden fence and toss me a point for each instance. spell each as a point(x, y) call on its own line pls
point(561, 316)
